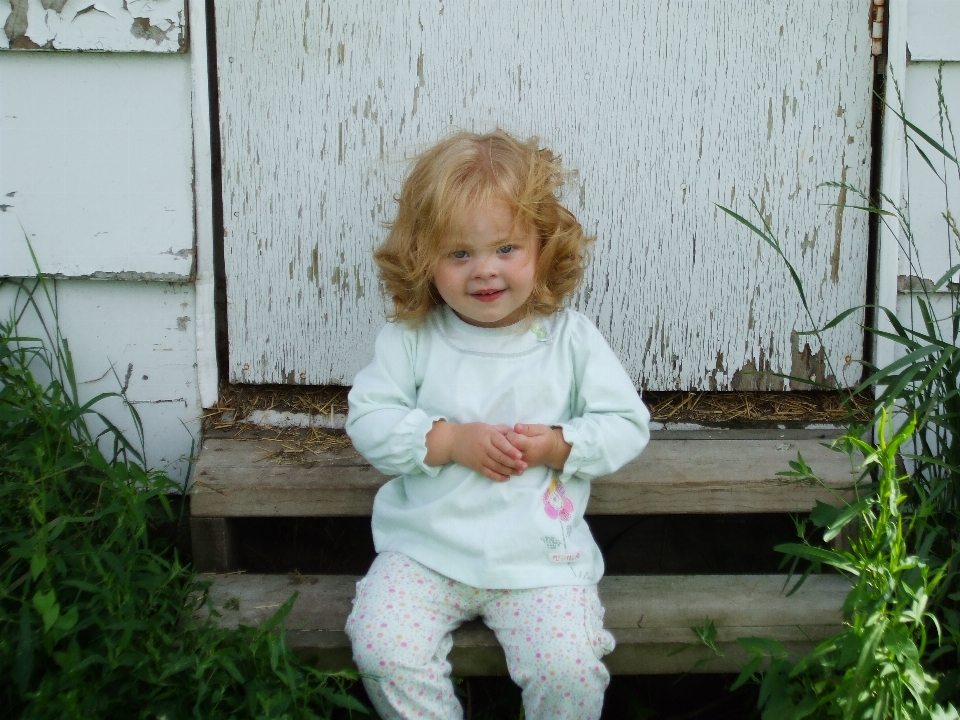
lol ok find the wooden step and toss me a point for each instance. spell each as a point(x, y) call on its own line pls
point(722, 472)
point(650, 616)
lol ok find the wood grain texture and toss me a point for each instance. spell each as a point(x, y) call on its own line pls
point(238, 478)
point(650, 617)
point(664, 109)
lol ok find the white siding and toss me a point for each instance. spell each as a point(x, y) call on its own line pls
point(96, 169)
point(924, 35)
point(926, 194)
point(138, 336)
point(96, 165)
point(664, 108)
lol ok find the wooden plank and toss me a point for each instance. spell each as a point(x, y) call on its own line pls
point(932, 31)
point(111, 195)
point(133, 336)
point(651, 617)
point(214, 544)
point(686, 296)
point(237, 478)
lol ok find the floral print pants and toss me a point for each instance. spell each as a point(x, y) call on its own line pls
point(400, 628)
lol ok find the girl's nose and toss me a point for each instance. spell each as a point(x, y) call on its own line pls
point(486, 265)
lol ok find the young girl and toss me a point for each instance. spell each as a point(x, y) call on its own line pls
point(495, 407)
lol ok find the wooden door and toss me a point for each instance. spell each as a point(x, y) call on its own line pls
point(665, 109)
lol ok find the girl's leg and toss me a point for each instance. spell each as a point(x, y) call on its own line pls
point(553, 639)
point(400, 628)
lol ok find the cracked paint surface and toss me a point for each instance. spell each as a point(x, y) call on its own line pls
point(658, 126)
point(100, 25)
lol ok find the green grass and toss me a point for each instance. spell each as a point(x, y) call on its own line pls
point(95, 612)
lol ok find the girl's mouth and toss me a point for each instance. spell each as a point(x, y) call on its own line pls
point(488, 295)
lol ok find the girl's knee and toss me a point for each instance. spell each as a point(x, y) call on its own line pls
point(374, 652)
point(554, 669)
point(379, 652)
point(570, 672)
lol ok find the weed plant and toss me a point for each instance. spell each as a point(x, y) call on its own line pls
point(875, 666)
point(96, 616)
point(897, 654)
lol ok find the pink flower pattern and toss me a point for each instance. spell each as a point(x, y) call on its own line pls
point(400, 630)
point(556, 503)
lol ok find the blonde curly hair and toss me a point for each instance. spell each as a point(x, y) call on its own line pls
point(464, 171)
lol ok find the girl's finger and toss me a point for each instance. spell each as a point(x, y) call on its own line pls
point(518, 441)
point(495, 476)
point(505, 463)
point(502, 444)
point(506, 466)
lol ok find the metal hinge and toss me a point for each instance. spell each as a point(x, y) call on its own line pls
point(876, 33)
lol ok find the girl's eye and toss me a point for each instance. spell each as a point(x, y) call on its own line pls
point(459, 254)
point(505, 249)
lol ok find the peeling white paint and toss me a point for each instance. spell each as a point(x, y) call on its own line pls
point(4, 14)
point(103, 25)
point(665, 109)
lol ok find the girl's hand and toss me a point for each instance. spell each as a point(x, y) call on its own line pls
point(478, 446)
point(540, 445)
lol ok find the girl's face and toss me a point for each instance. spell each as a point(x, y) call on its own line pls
point(488, 267)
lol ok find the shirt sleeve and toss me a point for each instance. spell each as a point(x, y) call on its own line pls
point(610, 424)
point(383, 422)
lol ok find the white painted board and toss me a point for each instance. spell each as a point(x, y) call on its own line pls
point(664, 108)
point(97, 25)
point(137, 336)
point(932, 30)
point(96, 165)
point(927, 194)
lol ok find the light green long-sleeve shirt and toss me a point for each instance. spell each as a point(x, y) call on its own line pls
point(522, 533)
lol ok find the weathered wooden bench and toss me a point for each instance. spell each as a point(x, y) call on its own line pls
point(651, 616)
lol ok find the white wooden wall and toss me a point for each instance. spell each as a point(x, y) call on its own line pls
point(664, 108)
point(136, 337)
point(127, 303)
point(923, 35)
point(97, 172)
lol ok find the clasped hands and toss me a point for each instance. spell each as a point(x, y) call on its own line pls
point(496, 451)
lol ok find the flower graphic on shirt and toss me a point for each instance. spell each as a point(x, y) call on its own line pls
point(556, 503)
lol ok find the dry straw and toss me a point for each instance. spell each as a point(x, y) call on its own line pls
point(231, 416)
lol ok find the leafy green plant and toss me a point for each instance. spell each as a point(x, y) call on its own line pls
point(897, 655)
point(97, 617)
point(874, 667)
